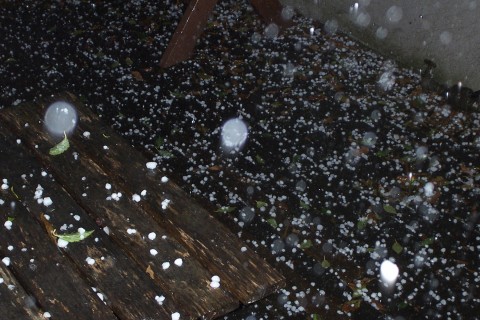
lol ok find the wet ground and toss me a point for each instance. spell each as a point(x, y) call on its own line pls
point(349, 161)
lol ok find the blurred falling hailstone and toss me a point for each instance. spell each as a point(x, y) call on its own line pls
point(369, 139)
point(287, 13)
point(381, 33)
point(234, 133)
point(331, 26)
point(387, 80)
point(421, 153)
point(61, 117)
point(394, 14)
point(271, 31)
point(246, 214)
point(445, 37)
point(362, 18)
point(388, 272)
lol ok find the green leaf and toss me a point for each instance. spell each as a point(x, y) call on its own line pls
point(166, 154)
point(325, 263)
point(74, 237)
point(259, 159)
point(382, 153)
point(11, 219)
point(304, 205)
point(427, 242)
point(114, 65)
point(362, 224)
point(61, 147)
point(272, 222)
point(261, 204)
point(306, 244)
point(128, 61)
point(397, 247)
point(388, 208)
point(225, 209)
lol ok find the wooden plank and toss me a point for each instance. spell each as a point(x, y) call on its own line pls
point(44, 271)
point(189, 285)
point(15, 303)
point(246, 275)
point(57, 286)
point(271, 11)
point(189, 29)
point(243, 273)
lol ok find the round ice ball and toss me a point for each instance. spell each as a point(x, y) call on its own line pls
point(388, 272)
point(61, 117)
point(234, 133)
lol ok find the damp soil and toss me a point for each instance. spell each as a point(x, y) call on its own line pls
point(349, 160)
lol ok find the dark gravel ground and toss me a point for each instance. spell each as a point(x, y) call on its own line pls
point(349, 159)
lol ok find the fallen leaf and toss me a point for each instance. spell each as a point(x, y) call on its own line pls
point(137, 75)
point(61, 147)
point(150, 272)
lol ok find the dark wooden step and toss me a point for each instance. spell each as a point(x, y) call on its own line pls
point(184, 229)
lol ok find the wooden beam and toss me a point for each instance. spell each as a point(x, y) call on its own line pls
point(189, 29)
point(194, 20)
point(271, 11)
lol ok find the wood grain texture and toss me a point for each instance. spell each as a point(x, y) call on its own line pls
point(125, 270)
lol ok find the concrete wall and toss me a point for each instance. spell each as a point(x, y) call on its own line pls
point(444, 31)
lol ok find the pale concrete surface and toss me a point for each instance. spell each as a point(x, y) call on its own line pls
point(408, 31)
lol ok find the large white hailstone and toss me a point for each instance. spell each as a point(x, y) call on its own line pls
point(234, 133)
point(388, 272)
point(61, 117)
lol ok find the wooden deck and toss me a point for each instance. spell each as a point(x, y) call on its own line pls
point(112, 274)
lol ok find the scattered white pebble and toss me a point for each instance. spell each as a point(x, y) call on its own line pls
point(388, 272)
point(136, 197)
point(243, 249)
point(151, 165)
point(215, 282)
point(175, 316)
point(108, 186)
point(47, 201)
point(165, 265)
point(152, 235)
point(86, 134)
point(153, 252)
point(44, 174)
point(62, 243)
point(131, 231)
point(165, 203)
point(90, 261)
point(178, 262)
point(164, 179)
point(143, 193)
point(4, 186)
point(47, 315)
point(8, 224)
point(6, 261)
point(76, 217)
point(159, 299)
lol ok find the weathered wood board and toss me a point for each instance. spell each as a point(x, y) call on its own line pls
point(121, 259)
